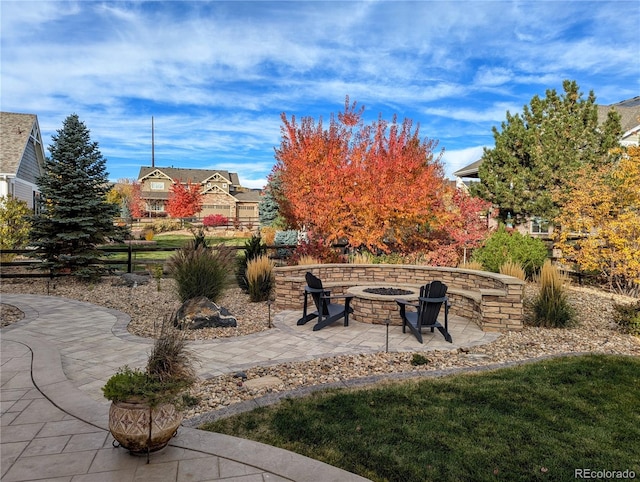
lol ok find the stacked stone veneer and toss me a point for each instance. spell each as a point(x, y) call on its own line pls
point(492, 300)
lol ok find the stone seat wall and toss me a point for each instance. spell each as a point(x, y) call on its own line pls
point(493, 301)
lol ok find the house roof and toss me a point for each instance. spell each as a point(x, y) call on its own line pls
point(194, 175)
point(15, 130)
point(253, 195)
point(629, 111)
point(469, 171)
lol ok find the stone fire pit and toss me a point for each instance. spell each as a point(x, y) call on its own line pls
point(376, 304)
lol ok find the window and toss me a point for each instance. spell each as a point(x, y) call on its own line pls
point(156, 205)
point(539, 226)
point(157, 186)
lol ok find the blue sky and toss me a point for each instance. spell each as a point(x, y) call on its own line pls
point(217, 75)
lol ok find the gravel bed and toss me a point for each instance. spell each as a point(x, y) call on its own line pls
point(594, 333)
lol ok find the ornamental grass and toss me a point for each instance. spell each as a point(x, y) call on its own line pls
point(551, 307)
point(260, 278)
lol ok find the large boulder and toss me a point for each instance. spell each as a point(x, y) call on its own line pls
point(201, 312)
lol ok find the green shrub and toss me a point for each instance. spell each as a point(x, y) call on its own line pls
point(260, 278)
point(551, 308)
point(285, 238)
point(627, 316)
point(200, 272)
point(253, 248)
point(503, 246)
point(418, 359)
point(166, 225)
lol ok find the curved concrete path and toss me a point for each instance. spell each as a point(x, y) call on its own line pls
point(54, 418)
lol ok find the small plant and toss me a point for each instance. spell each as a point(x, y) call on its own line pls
point(260, 278)
point(511, 268)
point(253, 248)
point(148, 234)
point(157, 271)
point(627, 316)
point(199, 272)
point(550, 307)
point(199, 237)
point(169, 373)
point(418, 359)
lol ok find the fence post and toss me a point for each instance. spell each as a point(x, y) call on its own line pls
point(129, 259)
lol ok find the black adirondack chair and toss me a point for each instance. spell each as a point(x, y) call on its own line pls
point(432, 297)
point(327, 312)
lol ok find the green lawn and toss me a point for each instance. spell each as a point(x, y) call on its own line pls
point(540, 421)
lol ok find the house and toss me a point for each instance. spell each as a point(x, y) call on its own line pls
point(629, 111)
point(221, 190)
point(21, 156)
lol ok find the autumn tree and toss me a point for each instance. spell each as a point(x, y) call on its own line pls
point(14, 225)
point(537, 152)
point(465, 229)
point(127, 195)
point(75, 215)
point(185, 200)
point(377, 185)
point(600, 219)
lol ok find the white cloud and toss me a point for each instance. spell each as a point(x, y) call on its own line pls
point(457, 159)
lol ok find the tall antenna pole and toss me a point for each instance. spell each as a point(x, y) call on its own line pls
point(153, 146)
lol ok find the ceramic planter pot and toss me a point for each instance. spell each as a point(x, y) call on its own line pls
point(129, 424)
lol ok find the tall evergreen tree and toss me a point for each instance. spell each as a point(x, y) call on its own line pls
point(268, 208)
point(537, 153)
point(76, 215)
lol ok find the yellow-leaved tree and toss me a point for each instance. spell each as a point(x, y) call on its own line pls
point(600, 220)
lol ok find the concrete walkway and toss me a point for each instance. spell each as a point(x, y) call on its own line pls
point(54, 418)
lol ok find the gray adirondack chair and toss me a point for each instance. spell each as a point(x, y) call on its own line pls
point(432, 297)
point(327, 311)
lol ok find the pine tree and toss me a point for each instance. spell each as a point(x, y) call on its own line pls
point(538, 152)
point(268, 208)
point(75, 216)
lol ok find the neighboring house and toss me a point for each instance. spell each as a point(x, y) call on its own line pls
point(21, 156)
point(629, 111)
point(222, 192)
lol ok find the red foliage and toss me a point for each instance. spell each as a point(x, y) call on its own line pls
point(214, 220)
point(184, 200)
point(135, 203)
point(318, 248)
point(375, 185)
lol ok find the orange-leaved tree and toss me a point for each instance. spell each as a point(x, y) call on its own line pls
point(600, 219)
point(185, 200)
point(376, 185)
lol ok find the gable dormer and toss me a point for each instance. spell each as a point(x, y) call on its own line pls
point(155, 180)
point(216, 183)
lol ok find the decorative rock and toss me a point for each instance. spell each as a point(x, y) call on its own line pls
point(132, 279)
point(267, 381)
point(242, 375)
point(201, 312)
